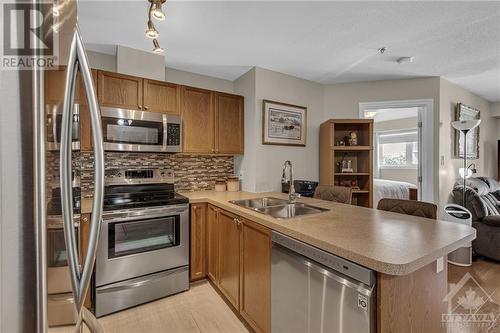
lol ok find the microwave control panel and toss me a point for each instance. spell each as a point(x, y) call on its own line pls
point(173, 134)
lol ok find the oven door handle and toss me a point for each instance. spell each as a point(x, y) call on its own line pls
point(80, 276)
point(139, 282)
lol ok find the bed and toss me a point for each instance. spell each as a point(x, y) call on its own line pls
point(384, 188)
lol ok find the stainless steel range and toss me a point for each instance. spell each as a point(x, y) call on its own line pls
point(143, 251)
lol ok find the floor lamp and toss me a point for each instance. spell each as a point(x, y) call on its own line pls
point(465, 126)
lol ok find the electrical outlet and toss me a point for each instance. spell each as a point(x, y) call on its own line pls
point(442, 160)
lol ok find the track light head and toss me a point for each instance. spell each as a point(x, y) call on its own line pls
point(152, 32)
point(157, 12)
point(156, 47)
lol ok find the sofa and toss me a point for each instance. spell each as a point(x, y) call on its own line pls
point(482, 199)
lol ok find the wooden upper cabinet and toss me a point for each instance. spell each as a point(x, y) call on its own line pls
point(255, 305)
point(198, 120)
point(161, 97)
point(120, 91)
point(85, 125)
point(198, 224)
point(54, 86)
point(229, 257)
point(212, 233)
point(229, 124)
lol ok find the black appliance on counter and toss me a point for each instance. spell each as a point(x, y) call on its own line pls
point(305, 188)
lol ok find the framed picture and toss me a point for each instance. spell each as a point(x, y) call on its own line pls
point(464, 112)
point(283, 124)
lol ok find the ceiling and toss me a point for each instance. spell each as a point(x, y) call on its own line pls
point(326, 42)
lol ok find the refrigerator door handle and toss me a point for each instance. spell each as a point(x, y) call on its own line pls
point(80, 276)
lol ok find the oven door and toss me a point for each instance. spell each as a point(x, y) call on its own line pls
point(132, 130)
point(53, 117)
point(144, 241)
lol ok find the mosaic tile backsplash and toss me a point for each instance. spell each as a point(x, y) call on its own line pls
point(191, 172)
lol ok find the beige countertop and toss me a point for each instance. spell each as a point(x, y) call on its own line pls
point(389, 243)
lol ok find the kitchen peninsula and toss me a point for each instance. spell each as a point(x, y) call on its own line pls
point(407, 252)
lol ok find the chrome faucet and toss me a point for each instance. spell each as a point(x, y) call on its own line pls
point(292, 196)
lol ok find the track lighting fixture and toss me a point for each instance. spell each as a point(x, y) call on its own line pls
point(156, 46)
point(152, 32)
point(156, 12)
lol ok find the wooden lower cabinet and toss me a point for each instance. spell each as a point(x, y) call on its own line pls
point(255, 301)
point(198, 224)
point(212, 250)
point(238, 262)
point(229, 257)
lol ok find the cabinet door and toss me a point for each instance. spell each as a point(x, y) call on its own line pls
point(212, 243)
point(229, 257)
point(198, 120)
point(120, 91)
point(85, 125)
point(229, 124)
point(256, 276)
point(161, 97)
point(198, 265)
point(54, 86)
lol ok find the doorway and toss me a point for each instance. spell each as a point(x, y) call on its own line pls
point(403, 148)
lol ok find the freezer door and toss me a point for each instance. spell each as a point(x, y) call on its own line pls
point(308, 297)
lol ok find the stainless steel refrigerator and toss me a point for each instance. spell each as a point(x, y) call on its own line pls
point(39, 167)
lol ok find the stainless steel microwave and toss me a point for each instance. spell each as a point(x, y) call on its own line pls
point(53, 118)
point(141, 131)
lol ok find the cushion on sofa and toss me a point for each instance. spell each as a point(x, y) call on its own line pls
point(492, 220)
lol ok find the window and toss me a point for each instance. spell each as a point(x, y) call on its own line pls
point(398, 149)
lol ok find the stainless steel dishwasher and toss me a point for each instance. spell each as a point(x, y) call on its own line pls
point(316, 291)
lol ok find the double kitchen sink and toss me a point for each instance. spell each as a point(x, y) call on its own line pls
point(278, 208)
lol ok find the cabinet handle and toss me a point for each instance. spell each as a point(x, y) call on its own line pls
point(145, 107)
point(140, 107)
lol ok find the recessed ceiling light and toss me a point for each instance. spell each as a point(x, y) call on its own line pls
point(152, 32)
point(404, 60)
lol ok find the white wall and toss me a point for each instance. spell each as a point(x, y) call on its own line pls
point(246, 164)
point(102, 61)
point(342, 101)
point(198, 81)
point(109, 63)
point(140, 63)
point(450, 95)
point(262, 164)
point(495, 109)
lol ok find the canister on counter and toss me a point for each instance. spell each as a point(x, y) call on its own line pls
point(233, 184)
point(220, 185)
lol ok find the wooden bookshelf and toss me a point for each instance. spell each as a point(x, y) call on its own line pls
point(361, 155)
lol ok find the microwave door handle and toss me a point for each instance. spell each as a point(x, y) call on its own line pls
point(165, 132)
point(80, 277)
